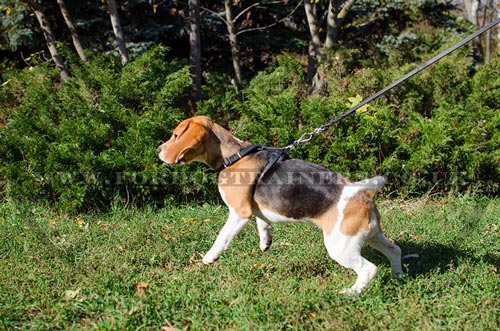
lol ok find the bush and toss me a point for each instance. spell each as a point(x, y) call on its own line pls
point(91, 141)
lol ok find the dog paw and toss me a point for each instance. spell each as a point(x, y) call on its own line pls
point(265, 244)
point(350, 291)
point(209, 259)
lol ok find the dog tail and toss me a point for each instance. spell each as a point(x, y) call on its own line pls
point(369, 185)
point(374, 184)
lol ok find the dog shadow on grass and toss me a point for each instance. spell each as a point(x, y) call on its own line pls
point(421, 259)
point(418, 260)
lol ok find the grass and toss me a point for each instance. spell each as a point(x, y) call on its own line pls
point(136, 269)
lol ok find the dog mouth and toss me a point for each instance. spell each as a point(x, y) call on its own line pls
point(169, 160)
point(181, 158)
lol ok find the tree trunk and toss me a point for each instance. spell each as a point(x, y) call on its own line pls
point(335, 18)
point(195, 52)
point(331, 24)
point(472, 11)
point(498, 26)
point(117, 30)
point(487, 51)
point(314, 77)
point(233, 42)
point(49, 38)
point(310, 9)
point(72, 30)
point(489, 15)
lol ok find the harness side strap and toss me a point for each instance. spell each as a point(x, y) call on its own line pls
point(236, 157)
point(276, 155)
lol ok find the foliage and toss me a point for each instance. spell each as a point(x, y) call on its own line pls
point(398, 31)
point(16, 28)
point(437, 132)
point(135, 269)
point(91, 141)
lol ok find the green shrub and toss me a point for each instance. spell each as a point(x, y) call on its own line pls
point(91, 141)
point(270, 114)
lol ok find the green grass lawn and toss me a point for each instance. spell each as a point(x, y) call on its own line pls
point(134, 269)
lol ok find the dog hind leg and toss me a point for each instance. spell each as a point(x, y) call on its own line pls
point(346, 250)
point(389, 249)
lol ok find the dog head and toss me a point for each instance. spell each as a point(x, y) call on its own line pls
point(188, 142)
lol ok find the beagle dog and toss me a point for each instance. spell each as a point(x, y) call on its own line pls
point(290, 191)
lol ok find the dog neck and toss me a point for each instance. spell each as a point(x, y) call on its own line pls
point(223, 145)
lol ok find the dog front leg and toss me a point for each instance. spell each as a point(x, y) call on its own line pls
point(264, 234)
point(233, 226)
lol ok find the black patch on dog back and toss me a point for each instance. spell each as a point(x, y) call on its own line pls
point(299, 189)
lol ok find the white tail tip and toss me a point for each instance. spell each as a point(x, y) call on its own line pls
point(371, 184)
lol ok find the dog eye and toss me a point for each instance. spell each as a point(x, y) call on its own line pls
point(174, 136)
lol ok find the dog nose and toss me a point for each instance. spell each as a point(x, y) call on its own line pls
point(158, 150)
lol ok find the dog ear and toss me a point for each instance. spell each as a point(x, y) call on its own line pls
point(188, 145)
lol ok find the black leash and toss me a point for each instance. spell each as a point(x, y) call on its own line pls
point(308, 135)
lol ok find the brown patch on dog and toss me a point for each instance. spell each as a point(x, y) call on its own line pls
point(327, 221)
point(357, 214)
point(237, 183)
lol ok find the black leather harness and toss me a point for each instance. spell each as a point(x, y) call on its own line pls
point(275, 154)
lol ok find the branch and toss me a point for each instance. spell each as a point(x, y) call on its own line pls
point(273, 24)
point(214, 13)
point(218, 15)
point(245, 10)
point(342, 14)
point(254, 5)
